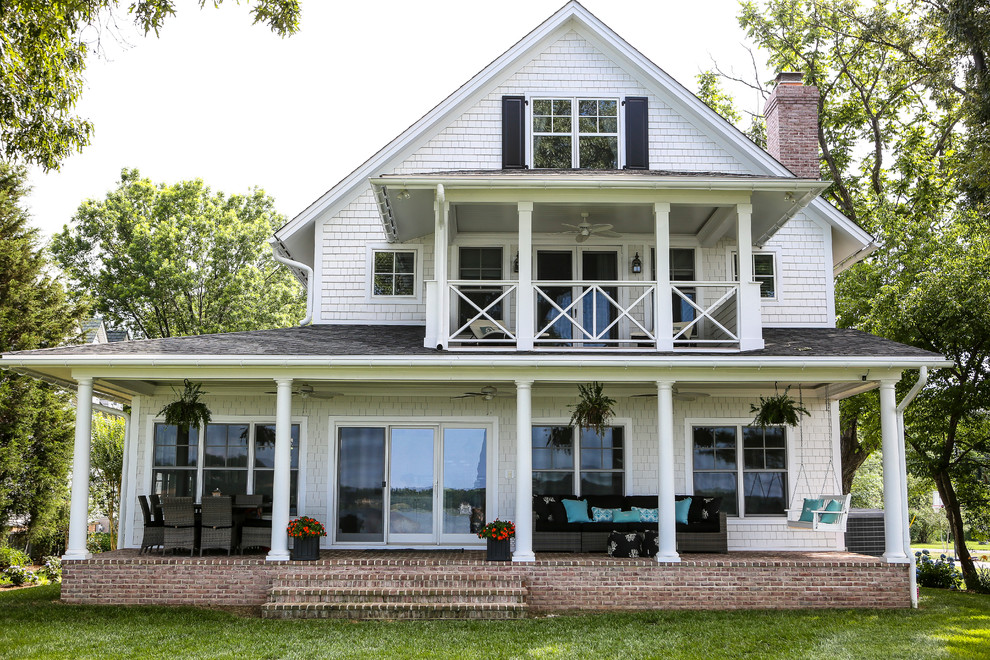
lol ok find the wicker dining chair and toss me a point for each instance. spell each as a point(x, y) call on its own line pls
point(154, 531)
point(256, 533)
point(180, 523)
point(156, 507)
point(216, 525)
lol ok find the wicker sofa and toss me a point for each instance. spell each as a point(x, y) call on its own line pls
point(552, 532)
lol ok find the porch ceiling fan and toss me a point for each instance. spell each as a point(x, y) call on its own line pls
point(306, 391)
point(678, 395)
point(586, 230)
point(488, 392)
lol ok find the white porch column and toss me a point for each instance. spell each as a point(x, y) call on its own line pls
point(526, 297)
point(79, 504)
point(748, 302)
point(663, 324)
point(524, 469)
point(441, 209)
point(894, 512)
point(281, 488)
point(665, 428)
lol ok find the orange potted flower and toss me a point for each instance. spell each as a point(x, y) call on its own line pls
point(498, 534)
point(306, 533)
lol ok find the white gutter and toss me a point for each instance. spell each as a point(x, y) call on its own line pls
point(922, 381)
point(124, 485)
point(310, 280)
point(724, 361)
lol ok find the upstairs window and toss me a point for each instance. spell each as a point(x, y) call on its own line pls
point(576, 133)
point(764, 272)
point(394, 273)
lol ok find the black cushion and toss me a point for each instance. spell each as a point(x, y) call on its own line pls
point(607, 501)
point(642, 501)
point(553, 517)
point(256, 522)
point(624, 544)
point(613, 526)
point(704, 509)
point(651, 543)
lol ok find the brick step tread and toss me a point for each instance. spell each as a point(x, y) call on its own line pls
point(393, 614)
point(396, 607)
point(449, 577)
point(279, 592)
point(391, 582)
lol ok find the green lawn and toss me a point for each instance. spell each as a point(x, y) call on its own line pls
point(33, 624)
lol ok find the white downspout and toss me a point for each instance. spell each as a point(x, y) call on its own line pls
point(125, 479)
point(922, 380)
point(310, 282)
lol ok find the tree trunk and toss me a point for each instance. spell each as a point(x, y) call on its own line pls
point(948, 494)
point(853, 454)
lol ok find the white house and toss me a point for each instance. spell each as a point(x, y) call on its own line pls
point(571, 214)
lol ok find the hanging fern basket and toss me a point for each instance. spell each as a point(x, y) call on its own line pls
point(778, 410)
point(595, 410)
point(187, 411)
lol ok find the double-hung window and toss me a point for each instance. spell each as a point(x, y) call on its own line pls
point(745, 465)
point(682, 269)
point(764, 272)
point(575, 133)
point(394, 273)
point(592, 466)
point(480, 263)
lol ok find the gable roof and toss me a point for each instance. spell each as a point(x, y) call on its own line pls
point(295, 239)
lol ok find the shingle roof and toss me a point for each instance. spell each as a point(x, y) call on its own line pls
point(398, 340)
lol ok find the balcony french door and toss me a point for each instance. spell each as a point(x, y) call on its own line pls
point(568, 310)
point(406, 485)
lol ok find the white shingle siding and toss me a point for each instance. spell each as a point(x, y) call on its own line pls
point(569, 67)
point(639, 415)
point(803, 277)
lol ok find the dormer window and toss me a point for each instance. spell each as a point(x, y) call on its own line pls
point(575, 133)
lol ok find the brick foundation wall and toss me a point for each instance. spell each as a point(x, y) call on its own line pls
point(556, 584)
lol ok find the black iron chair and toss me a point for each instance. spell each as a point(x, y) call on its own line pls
point(154, 530)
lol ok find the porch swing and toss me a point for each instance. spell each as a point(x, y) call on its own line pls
point(826, 513)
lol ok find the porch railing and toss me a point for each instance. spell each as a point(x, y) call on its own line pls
point(482, 311)
point(707, 313)
point(574, 313)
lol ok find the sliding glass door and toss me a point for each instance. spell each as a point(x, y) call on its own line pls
point(389, 484)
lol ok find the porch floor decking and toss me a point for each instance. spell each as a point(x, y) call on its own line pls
point(554, 582)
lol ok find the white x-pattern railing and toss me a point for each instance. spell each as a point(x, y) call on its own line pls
point(486, 313)
point(599, 303)
point(719, 309)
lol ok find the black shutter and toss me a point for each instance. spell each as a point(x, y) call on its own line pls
point(513, 132)
point(637, 133)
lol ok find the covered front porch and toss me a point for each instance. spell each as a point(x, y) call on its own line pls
point(400, 583)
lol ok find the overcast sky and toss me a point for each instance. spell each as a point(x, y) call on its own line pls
point(217, 98)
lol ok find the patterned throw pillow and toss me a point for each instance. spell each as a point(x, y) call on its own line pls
point(624, 544)
point(549, 503)
point(651, 543)
point(704, 509)
point(648, 515)
point(601, 515)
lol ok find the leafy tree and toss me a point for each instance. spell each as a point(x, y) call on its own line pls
point(36, 418)
point(107, 468)
point(902, 136)
point(43, 53)
point(171, 260)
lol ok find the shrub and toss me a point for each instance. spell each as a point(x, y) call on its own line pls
point(98, 542)
point(980, 582)
point(939, 573)
point(12, 557)
point(51, 570)
point(18, 575)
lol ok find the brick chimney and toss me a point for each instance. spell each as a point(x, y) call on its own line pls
point(792, 125)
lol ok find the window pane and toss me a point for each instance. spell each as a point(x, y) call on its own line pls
point(383, 285)
point(587, 108)
point(165, 455)
point(704, 448)
point(230, 482)
point(405, 262)
point(752, 437)
point(599, 153)
point(608, 125)
point(775, 459)
point(601, 483)
point(753, 459)
point(553, 483)
point(165, 434)
point(264, 486)
point(767, 288)
point(764, 493)
point(718, 484)
point(588, 125)
point(179, 483)
point(264, 446)
point(552, 152)
point(682, 264)
point(541, 107)
point(384, 262)
point(464, 480)
point(608, 108)
point(562, 107)
point(591, 459)
point(404, 285)
point(561, 124)
point(542, 124)
point(763, 264)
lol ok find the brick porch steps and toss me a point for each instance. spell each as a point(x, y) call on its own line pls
point(396, 596)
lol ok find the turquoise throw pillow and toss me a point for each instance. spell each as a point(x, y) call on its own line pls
point(577, 511)
point(647, 515)
point(681, 510)
point(601, 515)
point(833, 505)
point(810, 504)
point(625, 516)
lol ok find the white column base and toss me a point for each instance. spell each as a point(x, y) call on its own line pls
point(669, 559)
point(278, 556)
point(896, 558)
point(520, 557)
point(76, 556)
